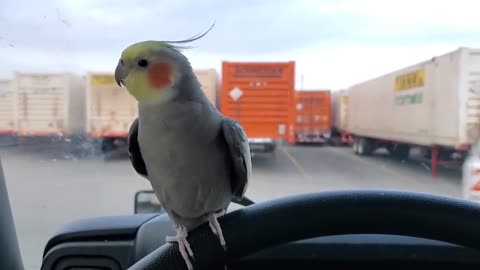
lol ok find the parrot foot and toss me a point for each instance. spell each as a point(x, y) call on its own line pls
point(215, 226)
point(183, 245)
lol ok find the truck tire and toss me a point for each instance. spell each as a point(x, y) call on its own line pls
point(426, 153)
point(399, 151)
point(355, 146)
point(365, 147)
point(108, 145)
point(334, 141)
point(270, 148)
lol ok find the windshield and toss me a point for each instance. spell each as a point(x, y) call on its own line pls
point(332, 95)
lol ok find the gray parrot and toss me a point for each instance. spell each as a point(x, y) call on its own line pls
point(197, 160)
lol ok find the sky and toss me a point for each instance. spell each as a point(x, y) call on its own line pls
point(335, 44)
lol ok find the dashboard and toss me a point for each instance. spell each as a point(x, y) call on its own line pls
point(117, 242)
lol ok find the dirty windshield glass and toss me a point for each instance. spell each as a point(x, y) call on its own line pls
point(332, 95)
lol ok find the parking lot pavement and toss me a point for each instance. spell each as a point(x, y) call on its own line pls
point(47, 190)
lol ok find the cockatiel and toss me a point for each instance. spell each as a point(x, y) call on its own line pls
point(138, 163)
point(197, 160)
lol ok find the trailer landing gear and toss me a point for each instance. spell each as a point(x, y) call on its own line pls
point(434, 161)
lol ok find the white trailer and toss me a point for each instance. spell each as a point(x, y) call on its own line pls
point(7, 108)
point(339, 108)
point(434, 105)
point(210, 83)
point(111, 109)
point(49, 104)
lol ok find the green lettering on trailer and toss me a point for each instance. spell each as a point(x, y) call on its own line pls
point(409, 99)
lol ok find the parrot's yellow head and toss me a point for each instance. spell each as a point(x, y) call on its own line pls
point(153, 70)
point(149, 69)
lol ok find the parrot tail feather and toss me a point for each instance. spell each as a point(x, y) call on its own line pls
point(183, 245)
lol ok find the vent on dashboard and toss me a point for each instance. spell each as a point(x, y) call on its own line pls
point(86, 263)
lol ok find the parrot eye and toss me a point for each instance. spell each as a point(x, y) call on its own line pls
point(142, 63)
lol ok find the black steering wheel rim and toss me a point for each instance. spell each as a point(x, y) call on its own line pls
point(305, 216)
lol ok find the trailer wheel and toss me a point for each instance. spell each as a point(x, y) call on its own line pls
point(108, 145)
point(334, 141)
point(273, 151)
point(426, 153)
point(355, 146)
point(360, 147)
point(365, 147)
point(399, 151)
point(269, 148)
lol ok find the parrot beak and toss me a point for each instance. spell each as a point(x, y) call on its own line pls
point(120, 73)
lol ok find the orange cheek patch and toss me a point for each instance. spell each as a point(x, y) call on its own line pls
point(159, 75)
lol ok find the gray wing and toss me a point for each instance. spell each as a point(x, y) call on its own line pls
point(138, 163)
point(134, 150)
point(239, 152)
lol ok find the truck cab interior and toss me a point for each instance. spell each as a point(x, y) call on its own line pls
point(327, 230)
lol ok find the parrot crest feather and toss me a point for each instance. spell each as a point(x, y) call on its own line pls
point(138, 48)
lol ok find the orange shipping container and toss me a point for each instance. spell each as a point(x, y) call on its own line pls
point(260, 96)
point(313, 119)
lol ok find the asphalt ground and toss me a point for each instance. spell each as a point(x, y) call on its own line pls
point(49, 188)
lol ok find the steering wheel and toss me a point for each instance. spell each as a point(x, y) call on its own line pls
point(256, 227)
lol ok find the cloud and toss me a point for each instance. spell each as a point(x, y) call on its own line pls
point(256, 27)
point(89, 35)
